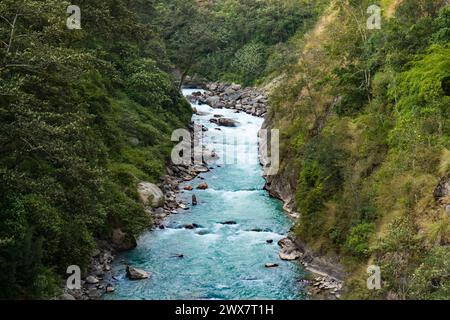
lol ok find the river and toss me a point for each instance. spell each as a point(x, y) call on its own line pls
point(221, 261)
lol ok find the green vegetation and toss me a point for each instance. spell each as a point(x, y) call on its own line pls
point(85, 115)
point(233, 40)
point(365, 120)
point(364, 117)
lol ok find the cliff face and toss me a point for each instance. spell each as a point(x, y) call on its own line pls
point(363, 145)
point(282, 184)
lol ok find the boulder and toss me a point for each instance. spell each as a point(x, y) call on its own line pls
point(269, 241)
point(236, 87)
point(200, 169)
point(136, 274)
point(92, 280)
point(229, 222)
point(202, 186)
point(66, 296)
point(151, 194)
point(443, 188)
point(110, 288)
point(226, 122)
point(122, 241)
point(213, 86)
point(194, 200)
point(191, 226)
point(286, 243)
point(290, 254)
point(188, 188)
point(271, 265)
point(213, 101)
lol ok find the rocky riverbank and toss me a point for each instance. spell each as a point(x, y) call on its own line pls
point(327, 273)
point(163, 200)
point(220, 95)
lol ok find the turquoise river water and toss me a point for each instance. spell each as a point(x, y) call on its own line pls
point(220, 261)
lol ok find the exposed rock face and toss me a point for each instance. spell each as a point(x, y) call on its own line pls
point(122, 241)
point(443, 188)
point(327, 270)
point(136, 274)
point(66, 296)
point(151, 194)
point(289, 250)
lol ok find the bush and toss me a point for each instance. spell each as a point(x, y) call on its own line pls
point(357, 243)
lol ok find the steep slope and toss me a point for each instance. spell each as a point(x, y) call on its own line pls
point(364, 125)
point(85, 115)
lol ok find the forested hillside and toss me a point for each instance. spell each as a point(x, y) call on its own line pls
point(84, 115)
point(364, 118)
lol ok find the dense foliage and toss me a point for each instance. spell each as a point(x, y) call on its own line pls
point(84, 115)
point(365, 120)
point(233, 40)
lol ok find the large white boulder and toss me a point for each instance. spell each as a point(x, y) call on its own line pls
point(151, 194)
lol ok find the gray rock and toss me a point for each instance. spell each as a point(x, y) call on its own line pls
point(66, 296)
point(136, 274)
point(286, 243)
point(213, 101)
point(290, 254)
point(236, 87)
point(92, 280)
point(271, 265)
point(151, 194)
point(226, 122)
point(110, 288)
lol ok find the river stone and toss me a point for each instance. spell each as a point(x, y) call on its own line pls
point(213, 101)
point(110, 288)
point(202, 186)
point(92, 280)
point(66, 296)
point(136, 274)
point(286, 243)
point(271, 265)
point(229, 222)
point(236, 87)
point(200, 169)
point(290, 254)
point(151, 194)
point(226, 122)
